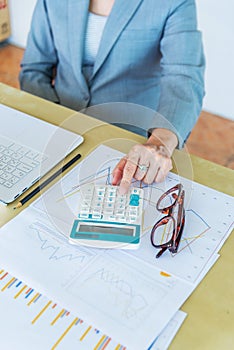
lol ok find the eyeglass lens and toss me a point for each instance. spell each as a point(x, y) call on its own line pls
point(168, 200)
point(163, 231)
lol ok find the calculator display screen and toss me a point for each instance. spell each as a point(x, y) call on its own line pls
point(106, 229)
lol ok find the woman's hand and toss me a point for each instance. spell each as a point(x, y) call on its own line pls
point(148, 162)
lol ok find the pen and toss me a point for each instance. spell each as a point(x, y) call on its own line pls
point(46, 182)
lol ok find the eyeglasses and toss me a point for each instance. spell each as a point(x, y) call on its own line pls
point(167, 232)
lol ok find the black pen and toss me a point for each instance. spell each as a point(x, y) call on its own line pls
point(46, 182)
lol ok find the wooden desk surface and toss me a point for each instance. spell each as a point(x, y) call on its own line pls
point(210, 321)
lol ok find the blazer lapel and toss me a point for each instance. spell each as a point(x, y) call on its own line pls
point(77, 18)
point(121, 13)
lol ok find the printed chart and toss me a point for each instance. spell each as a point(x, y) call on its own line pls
point(208, 215)
point(114, 289)
point(51, 326)
point(27, 317)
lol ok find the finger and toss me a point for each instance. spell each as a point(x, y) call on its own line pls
point(163, 171)
point(128, 174)
point(160, 176)
point(141, 172)
point(145, 156)
point(118, 171)
point(152, 172)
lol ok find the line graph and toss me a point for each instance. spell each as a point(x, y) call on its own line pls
point(199, 242)
point(130, 300)
point(57, 251)
point(112, 287)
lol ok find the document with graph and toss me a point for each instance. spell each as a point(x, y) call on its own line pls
point(116, 291)
point(30, 319)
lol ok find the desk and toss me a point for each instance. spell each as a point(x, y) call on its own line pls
point(210, 321)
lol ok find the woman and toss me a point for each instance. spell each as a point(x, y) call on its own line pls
point(83, 53)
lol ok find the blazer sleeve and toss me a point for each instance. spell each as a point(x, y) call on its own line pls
point(40, 58)
point(182, 64)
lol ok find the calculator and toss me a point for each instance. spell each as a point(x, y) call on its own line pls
point(107, 219)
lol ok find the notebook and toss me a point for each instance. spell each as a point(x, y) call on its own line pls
point(29, 148)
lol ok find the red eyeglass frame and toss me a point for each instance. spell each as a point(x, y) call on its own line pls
point(178, 225)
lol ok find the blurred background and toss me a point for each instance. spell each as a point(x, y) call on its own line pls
point(213, 136)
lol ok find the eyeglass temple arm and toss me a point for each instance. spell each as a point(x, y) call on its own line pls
point(161, 251)
point(181, 221)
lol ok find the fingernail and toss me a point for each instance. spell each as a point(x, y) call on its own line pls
point(115, 179)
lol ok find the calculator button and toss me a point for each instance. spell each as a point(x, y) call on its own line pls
point(132, 219)
point(84, 211)
point(109, 205)
point(84, 216)
point(101, 194)
point(96, 216)
point(111, 217)
point(133, 212)
point(119, 213)
point(107, 211)
point(120, 207)
point(111, 188)
point(97, 205)
point(123, 196)
point(136, 191)
point(121, 219)
point(134, 197)
point(97, 210)
point(121, 200)
point(84, 207)
point(134, 200)
point(134, 204)
point(110, 199)
point(111, 194)
point(100, 188)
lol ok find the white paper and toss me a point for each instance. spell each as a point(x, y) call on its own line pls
point(165, 338)
point(29, 319)
point(117, 291)
point(208, 221)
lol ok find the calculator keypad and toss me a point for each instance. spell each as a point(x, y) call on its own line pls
point(104, 203)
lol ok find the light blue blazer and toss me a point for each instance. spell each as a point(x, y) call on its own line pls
point(150, 55)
